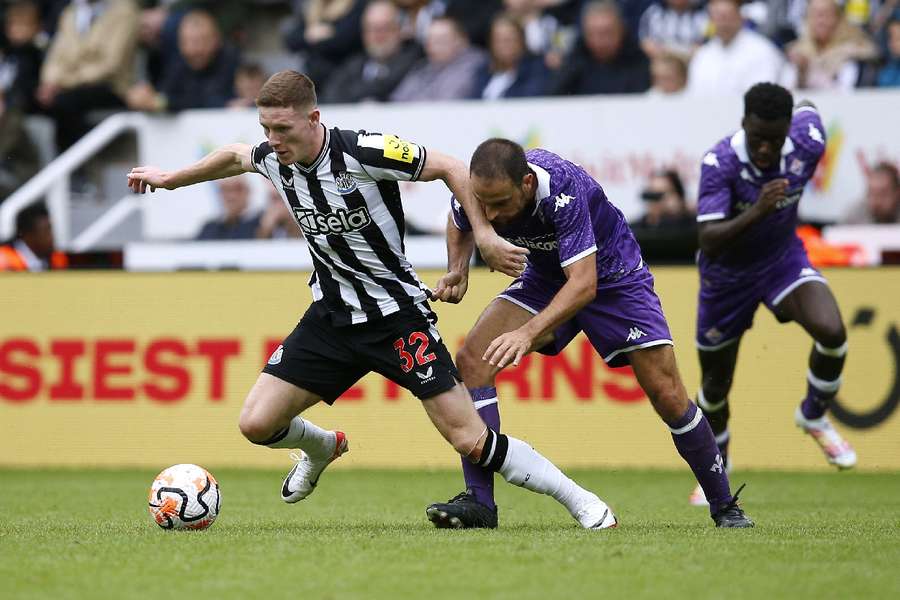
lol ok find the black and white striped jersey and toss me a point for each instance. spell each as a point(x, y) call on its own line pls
point(347, 202)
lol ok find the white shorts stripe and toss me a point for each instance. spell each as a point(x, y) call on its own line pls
point(781, 296)
point(519, 303)
point(717, 346)
point(710, 217)
point(612, 355)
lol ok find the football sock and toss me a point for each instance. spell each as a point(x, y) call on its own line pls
point(480, 481)
point(823, 379)
point(309, 437)
point(696, 444)
point(522, 465)
point(717, 413)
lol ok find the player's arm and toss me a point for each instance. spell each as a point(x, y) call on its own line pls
point(499, 254)
point(716, 235)
point(226, 161)
point(579, 290)
point(460, 245)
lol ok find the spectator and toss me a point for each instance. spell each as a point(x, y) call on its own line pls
point(541, 29)
point(473, 16)
point(668, 73)
point(21, 55)
point(882, 201)
point(889, 75)
point(783, 20)
point(608, 61)
point(19, 158)
point(385, 61)
point(827, 54)
point(512, 72)
point(276, 221)
point(233, 224)
point(668, 229)
point(326, 33)
point(248, 80)
point(89, 64)
point(736, 58)
point(674, 26)
point(202, 78)
point(32, 249)
point(448, 71)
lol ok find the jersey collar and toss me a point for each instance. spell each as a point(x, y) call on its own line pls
point(739, 145)
point(326, 143)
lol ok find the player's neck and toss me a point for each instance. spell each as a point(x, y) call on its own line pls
point(315, 149)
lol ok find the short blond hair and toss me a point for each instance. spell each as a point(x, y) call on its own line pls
point(287, 89)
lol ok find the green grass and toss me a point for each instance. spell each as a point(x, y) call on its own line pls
point(87, 534)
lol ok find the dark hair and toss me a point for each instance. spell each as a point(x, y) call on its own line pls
point(769, 102)
point(251, 69)
point(455, 24)
point(28, 218)
point(674, 180)
point(288, 89)
point(496, 158)
point(889, 170)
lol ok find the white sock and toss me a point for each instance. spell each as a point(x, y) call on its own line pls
point(526, 467)
point(309, 437)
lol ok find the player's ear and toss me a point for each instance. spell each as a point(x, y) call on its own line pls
point(529, 181)
point(314, 116)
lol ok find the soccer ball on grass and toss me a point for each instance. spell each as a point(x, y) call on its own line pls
point(184, 497)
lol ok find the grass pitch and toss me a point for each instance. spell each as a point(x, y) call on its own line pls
point(363, 534)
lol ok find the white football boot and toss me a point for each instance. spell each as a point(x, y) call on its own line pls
point(838, 451)
point(302, 479)
point(594, 513)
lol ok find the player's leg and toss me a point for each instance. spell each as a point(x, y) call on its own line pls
point(814, 307)
point(311, 365)
point(455, 418)
point(478, 375)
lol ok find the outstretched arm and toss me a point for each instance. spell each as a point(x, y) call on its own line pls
point(497, 252)
point(226, 161)
point(579, 290)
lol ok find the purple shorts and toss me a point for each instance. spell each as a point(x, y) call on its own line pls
point(724, 313)
point(626, 315)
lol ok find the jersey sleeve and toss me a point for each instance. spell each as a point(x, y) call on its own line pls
point(714, 197)
point(808, 133)
point(387, 157)
point(258, 157)
point(571, 218)
point(458, 214)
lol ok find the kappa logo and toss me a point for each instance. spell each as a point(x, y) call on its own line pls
point(276, 356)
point(562, 201)
point(634, 333)
point(797, 167)
point(428, 375)
point(816, 135)
point(711, 160)
point(345, 182)
point(287, 180)
point(718, 466)
point(515, 286)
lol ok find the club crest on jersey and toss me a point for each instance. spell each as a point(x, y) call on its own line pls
point(287, 180)
point(345, 182)
point(340, 221)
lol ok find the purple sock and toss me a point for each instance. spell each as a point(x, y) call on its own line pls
point(696, 444)
point(815, 405)
point(480, 481)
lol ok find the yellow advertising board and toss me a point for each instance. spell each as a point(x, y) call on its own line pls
point(151, 369)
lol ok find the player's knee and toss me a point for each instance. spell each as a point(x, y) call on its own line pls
point(716, 390)
point(669, 401)
point(831, 335)
point(474, 371)
point(254, 428)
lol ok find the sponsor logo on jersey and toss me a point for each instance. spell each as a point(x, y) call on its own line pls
point(340, 221)
point(562, 201)
point(276, 356)
point(547, 245)
point(287, 180)
point(397, 149)
point(634, 333)
point(427, 376)
point(345, 182)
point(797, 167)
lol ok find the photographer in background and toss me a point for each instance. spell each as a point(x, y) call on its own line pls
point(667, 232)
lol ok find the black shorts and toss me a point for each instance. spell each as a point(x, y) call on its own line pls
point(404, 346)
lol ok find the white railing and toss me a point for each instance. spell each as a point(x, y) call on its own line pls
point(53, 180)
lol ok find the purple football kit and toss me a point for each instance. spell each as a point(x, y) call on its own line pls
point(571, 219)
point(768, 260)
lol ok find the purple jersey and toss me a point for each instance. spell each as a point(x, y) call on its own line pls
point(730, 184)
point(571, 219)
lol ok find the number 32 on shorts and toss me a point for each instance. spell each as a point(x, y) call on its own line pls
point(421, 341)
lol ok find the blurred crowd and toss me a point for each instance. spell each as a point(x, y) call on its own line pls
point(72, 59)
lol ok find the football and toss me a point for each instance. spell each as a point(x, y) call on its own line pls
point(185, 497)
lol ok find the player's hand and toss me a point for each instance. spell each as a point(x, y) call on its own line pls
point(451, 288)
point(501, 255)
point(771, 194)
point(508, 348)
point(141, 178)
